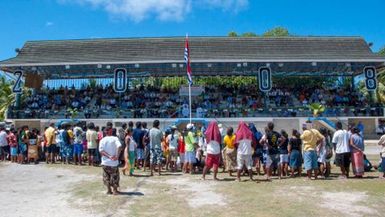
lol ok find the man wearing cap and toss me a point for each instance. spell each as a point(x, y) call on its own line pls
point(190, 149)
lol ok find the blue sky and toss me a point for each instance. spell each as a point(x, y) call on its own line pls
point(22, 20)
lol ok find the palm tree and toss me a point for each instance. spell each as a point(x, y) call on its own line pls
point(317, 109)
point(92, 83)
point(73, 113)
point(7, 97)
point(381, 86)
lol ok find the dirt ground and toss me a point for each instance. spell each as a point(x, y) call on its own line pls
point(67, 190)
point(38, 190)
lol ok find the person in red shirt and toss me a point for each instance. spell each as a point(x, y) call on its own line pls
point(12, 141)
point(181, 150)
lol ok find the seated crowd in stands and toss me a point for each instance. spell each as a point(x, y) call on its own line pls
point(215, 101)
point(245, 151)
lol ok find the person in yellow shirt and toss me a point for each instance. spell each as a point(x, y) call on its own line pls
point(230, 153)
point(311, 138)
point(50, 136)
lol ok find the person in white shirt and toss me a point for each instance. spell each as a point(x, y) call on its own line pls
point(243, 141)
point(341, 145)
point(213, 139)
point(109, 148)
point(3, 144)
point(92, 142)
point(172, 139)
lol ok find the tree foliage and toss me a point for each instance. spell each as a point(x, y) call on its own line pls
point(299, 81)
point(73, 113)
point(277, 32)
point(382, 51)
point(274, 32)
point(7, 97)
point(317, 109)
point(92, 83)
point(232, 34)
point(249, 34)
point(174, 83)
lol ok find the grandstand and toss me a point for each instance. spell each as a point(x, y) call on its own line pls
point(64, 64)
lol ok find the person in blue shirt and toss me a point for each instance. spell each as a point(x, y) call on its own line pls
point(257, 156)
point(138, 135)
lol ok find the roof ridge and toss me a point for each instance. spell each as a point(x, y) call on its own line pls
point(203, 37)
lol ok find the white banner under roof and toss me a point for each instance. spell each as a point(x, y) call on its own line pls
point(195, 90)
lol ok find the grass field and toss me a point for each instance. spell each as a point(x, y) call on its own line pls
point(174, 194)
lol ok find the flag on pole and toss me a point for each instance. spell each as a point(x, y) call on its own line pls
point(187, 60)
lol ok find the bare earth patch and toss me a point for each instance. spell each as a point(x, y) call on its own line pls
point(199, 193)
point(38, 191)
point(349, 203)
point(58, 190)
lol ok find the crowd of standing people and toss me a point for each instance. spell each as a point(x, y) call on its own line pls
point(245, 151)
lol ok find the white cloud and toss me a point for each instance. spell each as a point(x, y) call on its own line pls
point(164, 10)
point(49, 23)
point(138, 10)
point(228, 5)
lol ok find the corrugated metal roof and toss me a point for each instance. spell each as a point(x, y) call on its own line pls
point(203, 49)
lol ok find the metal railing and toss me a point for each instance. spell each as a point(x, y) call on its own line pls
point(207, 113)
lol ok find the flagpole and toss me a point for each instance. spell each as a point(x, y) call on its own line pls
point(187, 57)
point(189, 96)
